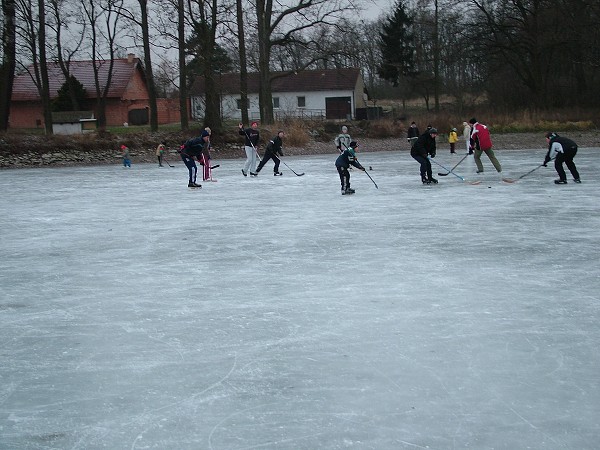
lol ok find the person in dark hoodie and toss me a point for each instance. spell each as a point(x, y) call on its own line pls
point(273, 151)
point(343, 162)
point(562, 150)
point(189, 150)
point(424, 146)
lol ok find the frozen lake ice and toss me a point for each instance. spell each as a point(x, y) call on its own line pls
point(274, 313)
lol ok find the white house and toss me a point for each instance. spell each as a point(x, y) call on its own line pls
point(326, 93)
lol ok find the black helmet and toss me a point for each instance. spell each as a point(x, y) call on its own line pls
point(432, 131)
point(551, 135)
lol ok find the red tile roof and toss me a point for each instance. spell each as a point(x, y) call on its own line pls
point(24, 88)
point(304, 81)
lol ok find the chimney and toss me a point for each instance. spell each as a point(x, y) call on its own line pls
point(130, 57)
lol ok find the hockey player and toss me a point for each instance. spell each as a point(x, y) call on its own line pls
point(160, 152)
point(481, 141)
point(342, 140)
point(425, 145)
point(205, 159)
point(564, 150)
point(412, 134)
point(193, 149)
point(251, 147)
point(274, 148)
point(343, 162)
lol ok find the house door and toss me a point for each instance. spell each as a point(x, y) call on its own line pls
point(338, 108)
point(138, 116)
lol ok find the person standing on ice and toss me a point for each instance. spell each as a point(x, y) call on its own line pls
point(205, 159)
point(412, 134)
point(273, 151)
point(342, 140)
point(452, 139)
point(160, 152)
point(189, 150)
point(252, 136)
point(125, 156)
point(343, 162)
point(562, 150)
point(467, 136)
point(425, 146)
point(481, 141)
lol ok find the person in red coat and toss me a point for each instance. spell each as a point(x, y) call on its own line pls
point(481, 142)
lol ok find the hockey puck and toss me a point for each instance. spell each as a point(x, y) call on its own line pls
point(370, 168)
point(489, 187)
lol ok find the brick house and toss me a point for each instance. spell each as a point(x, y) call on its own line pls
point(325, 93)
point(127, 100)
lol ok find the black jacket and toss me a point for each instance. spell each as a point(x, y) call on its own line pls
point(251, 135)
point(346, 158)
point(275, 146)
point(424, 146)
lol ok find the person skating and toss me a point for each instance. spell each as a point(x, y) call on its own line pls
point(562, 150)
point(425, 146)
point(481, 142)
point(189, 150)
point(252, 136)
point(467, 136)
point(343, 162)
point(160, 151)
point(205, 159)
point(412, 134)
point(125, 156)
point(343, 139)
point(273, 151)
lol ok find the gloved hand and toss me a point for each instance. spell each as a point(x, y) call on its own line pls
point(546, 161)
point(433, 155)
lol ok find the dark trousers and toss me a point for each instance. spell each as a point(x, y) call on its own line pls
point(344, 174)
point(567, 158)
point(269, 155)
point(191, 165)
point(425, 165)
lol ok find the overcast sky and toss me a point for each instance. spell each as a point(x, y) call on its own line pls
point(374, 8)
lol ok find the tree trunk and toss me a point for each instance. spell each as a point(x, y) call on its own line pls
point(7, 70)
point(45, 91)
point(148, 63)
point(265, 97)
point(183, 91)
point(243, 63)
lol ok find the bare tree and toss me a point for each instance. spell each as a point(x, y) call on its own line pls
point(31, 28)
point(282, 26)
point(243, 61)
point(102, 17)
point(7, 68)
point(142, 23)
point(64, 54)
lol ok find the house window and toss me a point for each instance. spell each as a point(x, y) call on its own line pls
point(276, 102)
point(301, 102)
point(239, 103)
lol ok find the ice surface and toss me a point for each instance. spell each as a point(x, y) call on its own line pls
point(275, 313)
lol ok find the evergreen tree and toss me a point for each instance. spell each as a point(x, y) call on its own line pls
point(397, 46)
point(71, 96)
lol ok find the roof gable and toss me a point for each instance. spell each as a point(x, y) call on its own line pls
point(24, 88)
point(303, 81)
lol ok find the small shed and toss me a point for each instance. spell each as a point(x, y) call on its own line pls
point(73, 122)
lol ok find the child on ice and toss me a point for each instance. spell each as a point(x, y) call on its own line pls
point(342, 163)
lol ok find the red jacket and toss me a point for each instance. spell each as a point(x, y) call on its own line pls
point(481, 136)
